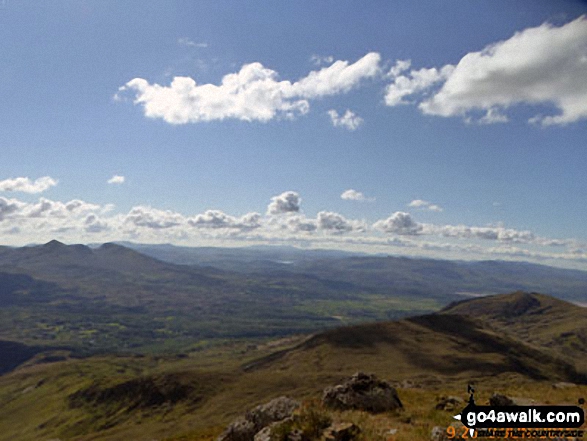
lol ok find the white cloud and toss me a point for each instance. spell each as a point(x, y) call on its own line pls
point(318, 60)
point(399, 223)
point(349, 120)
point(252, 94)
point(25, 185)
point(219, 219)
point(498, 233)
point(286, 202)
point(46, 208)
point(425, 205)
point(354, 195)
point(300, 224)
point(493, 116)
point(9, 207)
point(80, 221)
point(184, 41)
point(337, 224)
point(116, 179)
point(149, 217)
point(93, 224)
point(541, 65)
point(417, 81)
point(399, 67)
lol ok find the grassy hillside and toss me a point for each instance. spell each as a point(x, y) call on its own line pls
point(536, 319)
point(193, 396)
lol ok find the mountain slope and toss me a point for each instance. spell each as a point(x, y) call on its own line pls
point(536, 319)
point(119, 398)
point(426, 349)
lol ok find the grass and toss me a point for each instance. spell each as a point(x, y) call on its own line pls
point(193, 395)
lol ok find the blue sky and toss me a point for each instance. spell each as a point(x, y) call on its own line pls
point(459, 126)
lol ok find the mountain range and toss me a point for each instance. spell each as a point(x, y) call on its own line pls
point(112, 298)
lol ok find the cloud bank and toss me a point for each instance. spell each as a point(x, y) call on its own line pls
point(25, 185)
point(284, 222)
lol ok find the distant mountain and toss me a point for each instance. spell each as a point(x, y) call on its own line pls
point(113, 298)
point(384, 274)
point(244, 259)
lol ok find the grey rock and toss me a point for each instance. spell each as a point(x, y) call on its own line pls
point(438, 433)
point(239, 430)
point(342, 432)
point(275, 410)
point(450, 404)
point(362, 392)
point(256, 420)
point(501, 400)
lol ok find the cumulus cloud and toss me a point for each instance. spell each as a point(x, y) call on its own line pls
point(47, 208)
point(399, 223)
point(415, 81)
point(255, 93)
point(286, 202)
point(25, 185)
point(116, 179)
point(541, 65)
point(337, 224)
point(149, 217)
point(497, 233)
point(219, 219)
point(425, 205)
point(8, 207)
point(349, 120)
point(400, 67)
point(300, 224)
point(93, 224)
point(354, 195)
point(79, 221)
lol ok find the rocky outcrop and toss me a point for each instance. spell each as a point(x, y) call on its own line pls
point(341, 432)
point(501, 400)
point(362, 392)
point(439, 433)
point(246, 428)
point(450, 404)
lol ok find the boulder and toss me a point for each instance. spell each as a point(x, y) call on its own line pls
point(256, 420)
point(450, 404)
point(239, 430)
point(439, 433)
point(275, 410)
point(362, 392)
point(501, 400)
point(341, 432)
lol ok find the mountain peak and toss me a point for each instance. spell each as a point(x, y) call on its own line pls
point(508, 306)
point(53, 244)
point(111, 246)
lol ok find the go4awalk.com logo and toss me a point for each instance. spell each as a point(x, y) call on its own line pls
point(521, 421)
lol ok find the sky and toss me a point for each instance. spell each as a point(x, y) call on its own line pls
point(453, 129)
